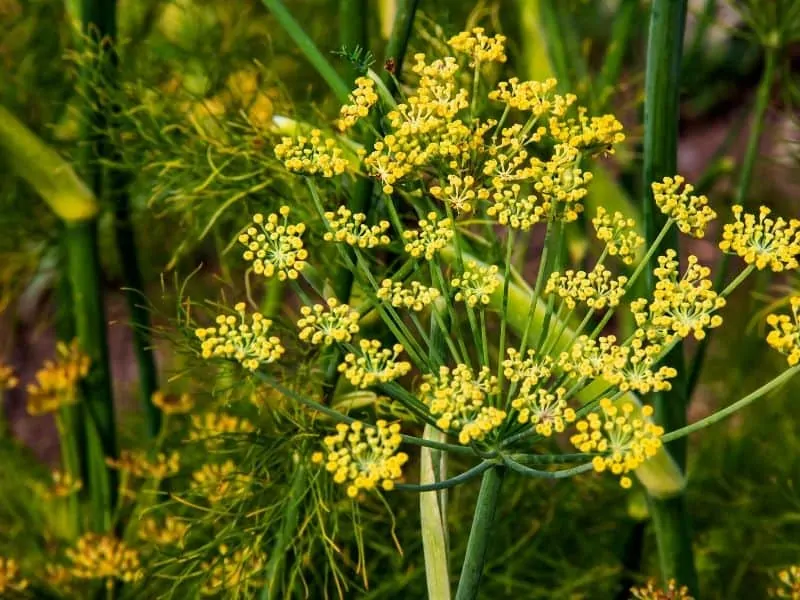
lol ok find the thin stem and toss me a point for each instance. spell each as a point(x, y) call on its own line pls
point(501, 346)
point(480, 534)
point(562, 474)
point(729, 410)
point(452, 482)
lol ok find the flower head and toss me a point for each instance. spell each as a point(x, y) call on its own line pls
point(480, 47)
point(690, 212)
point(7, 378)
point(432, 236)
point(352, 229)
point(619, 233)
point(652, 592)
point(597, 289)
point(10, 579)
point(373, 364)
point(172, 404)
point(311, 155)
point(546, 411)
point(138, 464)
point(240, 340)
point(57, 381)
point(788, 583)
point(233, 571)
point(624, 439)
point(217, 482)
point(528, 371)
point(274, 246)
point(458, 399)
point(765, 243)
point(64, 484)
point(97, 556)
point(534, 96)
point(360, 101)
point(415, 297)
point(171, 532)
point(785, 334)
point(364, 457)
point(459, 192)
point(476, 284)
point(323, 326)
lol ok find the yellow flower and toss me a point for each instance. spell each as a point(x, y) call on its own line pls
point(514, 208)
point(217, 482)
point(619, 234)
point(311, 155)
point(651, 592)
point(352, 230)
point(373, 364)
point(415, 298)
point(528, 371)
point(364, 457)
point(768, 242)
point(138, 464)
point(789, 581)
point(597, 289)
point(64, 485)
point(690, 212)
point(274, 246)
point(480, 47)
point(57, 576)
point(172, 404)
point(234, 571)
point(173, 531)
point(623, 439)
point(785, 334)
point(7, 378)
point(590, 135)
point(57, 382)
point(476, 284)
point(213, 427)
point(98, 556)
point(534, 96)
point(460, 192)
point(681, 305)
point(432, 236)
point(235, 338)
point(360, 101)
point(589, 358)
point(458, 399)
point(547, 412)
point(10, 580)
point(319, 326)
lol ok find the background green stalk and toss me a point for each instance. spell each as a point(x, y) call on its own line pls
point(661, 117)
point(480, 534)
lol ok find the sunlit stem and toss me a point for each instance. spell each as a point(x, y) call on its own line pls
point(738, 281)
point(645, 262)
point(504, 309)
point(729, 410)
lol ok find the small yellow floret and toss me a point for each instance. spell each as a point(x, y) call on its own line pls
point(322, 326)
point(764, 242)
point(274, 246)
point(785, 334)
point(373, 365)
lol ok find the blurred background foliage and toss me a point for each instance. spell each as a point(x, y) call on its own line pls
point(204, 85)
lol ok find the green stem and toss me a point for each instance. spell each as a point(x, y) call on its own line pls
point(398, 41)
point(98, 408)
point(661, 116)
point(445, 484)
point(562, 474)
point(611, 70)
point(480, 534)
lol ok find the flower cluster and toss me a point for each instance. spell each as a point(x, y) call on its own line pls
point(458, 398)
point(274, 246)
point(480, 47)
point(653, 592)
point(217, 482)
point(789, 580)
point(172, 404)
point(311, 155)
point(476, 284)
point(529, 371)
point(597, 289)
point(624, 440)
point(681, 305)
point(235, 338)
point(323, 326)
point(373, 364)
point(57, 381)
point(433, 235)
point(360, 101)
point(416, 297)
point(64, 484)
point(233, 571)
point(534, 96)
point(171, 532)
point(352, 230)
point(98, 556)
point(765, 243)
point(785, 334)
point(7, 378)
point(459, 192)
point(690, 212)
point(138, 464)
point(364, 457)
point(619, 234)
point(10, 579)
point(546, 411)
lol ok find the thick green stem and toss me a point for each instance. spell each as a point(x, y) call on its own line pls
point(480, 534)
point(85, 279)
point(661, 117)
